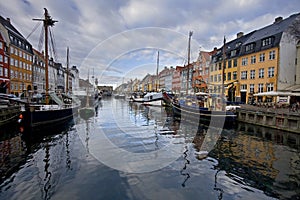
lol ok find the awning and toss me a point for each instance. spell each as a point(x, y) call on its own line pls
point(274, 93)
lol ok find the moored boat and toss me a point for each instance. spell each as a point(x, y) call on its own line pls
point(200, 107)
point(60, 109)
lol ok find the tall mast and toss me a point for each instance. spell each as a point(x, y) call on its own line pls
point(188, 65)
point(48, 21)
point(67, 82)
point(223, 72)
point(157, 66)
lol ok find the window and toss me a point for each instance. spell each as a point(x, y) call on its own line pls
point(272, 55)
point(233, 53)
point(260, 87)
point(6, 59)
point(253, 59)
point(252, 74)
point(5, 72)
point(235, 63)
point(11, 50)
point(249, 47)
point(224, 77)
point(1, 58)
point(229, 63)
point(244, 75)
point(1, 71)
point(271, 71)
point(234, 75)
point(261, 73)
point(270, 87)
point(229, 76)
point(220, 66)
point(251, 88)
point(267, 41)
point(215, 78)
point(244, 87)
point(211, 78)
point(219, 78)
point(262, 57)
point(1, 45)
point(244, 61)
point(12, 62)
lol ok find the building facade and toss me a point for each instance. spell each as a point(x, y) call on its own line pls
point(4, 67)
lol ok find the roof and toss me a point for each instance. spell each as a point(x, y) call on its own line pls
point(6, 23)
point(16, 35)
point(274, 29)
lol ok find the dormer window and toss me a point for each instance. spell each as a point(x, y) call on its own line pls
point(249, 47)
point(267, 41)
point(233, 53)
point(238, 44)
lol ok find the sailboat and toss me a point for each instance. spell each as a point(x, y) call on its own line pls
point(152, 98)
point(60, 110)
point(87, 111)
point(200, 106)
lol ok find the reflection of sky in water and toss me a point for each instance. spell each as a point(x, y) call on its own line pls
point(247, 163)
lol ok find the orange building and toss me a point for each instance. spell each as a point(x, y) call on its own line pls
point(20, 61)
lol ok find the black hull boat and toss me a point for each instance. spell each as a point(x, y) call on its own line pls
point(203, 115)
point(40, 116)
point(199, 114)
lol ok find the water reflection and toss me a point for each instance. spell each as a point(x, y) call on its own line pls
point(246, 162)
point(39, 150)
point(251, 156)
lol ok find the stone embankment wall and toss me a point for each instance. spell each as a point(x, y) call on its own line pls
point(278, 118)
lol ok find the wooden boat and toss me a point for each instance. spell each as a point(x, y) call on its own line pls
point(61, 108)
point(198, 107)
point(42, 115)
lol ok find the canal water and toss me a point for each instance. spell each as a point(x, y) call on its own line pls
point(130, 151)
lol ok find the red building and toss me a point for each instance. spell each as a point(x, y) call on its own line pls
point(4, 66)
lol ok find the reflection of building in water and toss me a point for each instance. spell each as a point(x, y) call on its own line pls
point(263, 164)
point(12, 153)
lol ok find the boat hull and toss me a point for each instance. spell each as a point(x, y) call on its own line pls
point(203, 115)
point(33, 118)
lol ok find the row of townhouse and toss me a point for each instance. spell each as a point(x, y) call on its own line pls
point(22, 68)
point(263, 60)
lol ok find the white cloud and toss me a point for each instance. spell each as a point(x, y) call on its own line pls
point(100, 32)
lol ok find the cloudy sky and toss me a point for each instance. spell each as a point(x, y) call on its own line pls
point(119, 40)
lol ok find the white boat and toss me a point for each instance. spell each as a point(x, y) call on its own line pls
point(151, 98)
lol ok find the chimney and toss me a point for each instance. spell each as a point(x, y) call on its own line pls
point(239, 34)
point(8, 19)
point(278, 19)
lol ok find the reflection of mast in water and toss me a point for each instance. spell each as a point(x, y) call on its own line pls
point(87, 138)
point(48, 174)
point(220, 196)
point(187, 162)
point(68, 160)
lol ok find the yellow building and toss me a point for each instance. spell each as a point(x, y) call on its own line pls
point(259, 63)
